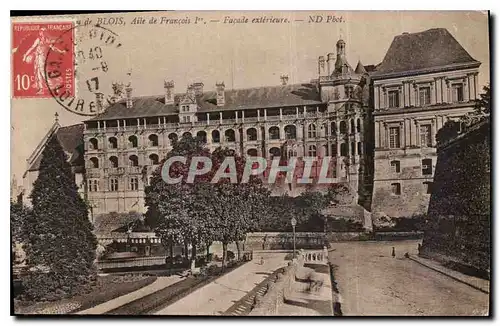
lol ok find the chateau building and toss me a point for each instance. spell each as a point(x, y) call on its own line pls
point(377, 123)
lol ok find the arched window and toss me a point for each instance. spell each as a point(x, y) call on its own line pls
point(333, 128)
point(325, 129)
point(343, 149)
point(133, 160)
point(360, 148)
point(275, 152)
point(312, 150)
point(353, 148)
point(94, 163)
point(251, 134)
point(358, 125)
point(132, 141)
point(112, 142)
point(352, 126)
point(343, 127)
point(215, 136)
point(274, 133)
point(187, 134)
point(172, 137)
point(311, 131)
point(153, 140)
point(252, 152)
point(230, 136)
point(153, 159)
point(202, 136)
point(325, 150)
point(93, 144)
point(290, 132)
point(113, 162)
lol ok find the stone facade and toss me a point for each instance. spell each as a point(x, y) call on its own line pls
point(377, 123)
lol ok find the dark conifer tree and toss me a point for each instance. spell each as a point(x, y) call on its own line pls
point(60, 245)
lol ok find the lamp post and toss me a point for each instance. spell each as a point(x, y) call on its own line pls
point(293, 222)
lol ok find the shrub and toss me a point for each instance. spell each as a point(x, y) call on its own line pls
point(230, 255)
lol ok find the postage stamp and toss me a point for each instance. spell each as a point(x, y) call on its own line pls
point(31, 42)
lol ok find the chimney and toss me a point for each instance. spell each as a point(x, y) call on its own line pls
point(321, 66)
point(331, 63)
point(220, 94)
point(128, 92)
point(198, 88)
point(284, 80)
point(99, 102)
point(169, 92)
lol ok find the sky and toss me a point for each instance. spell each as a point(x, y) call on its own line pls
point(241, 54)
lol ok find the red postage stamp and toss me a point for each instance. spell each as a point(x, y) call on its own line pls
point(31, 44)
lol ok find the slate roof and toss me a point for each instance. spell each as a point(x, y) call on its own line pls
point(249, 98)
point(425, 50)
point(71, 140)
point(105, 224)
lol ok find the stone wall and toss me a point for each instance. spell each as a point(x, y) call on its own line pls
point(460, 205)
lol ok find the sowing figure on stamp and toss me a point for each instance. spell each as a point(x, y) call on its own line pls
point(40, 48)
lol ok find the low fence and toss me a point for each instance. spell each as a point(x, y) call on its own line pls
point(284, 240)
point(110, 264)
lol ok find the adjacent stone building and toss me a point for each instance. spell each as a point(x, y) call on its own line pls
point(377, 122)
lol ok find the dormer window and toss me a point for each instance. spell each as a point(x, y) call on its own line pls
point(393, 99)
point(185, 108)
point(457, 92)
point(424, 95)
point(349, 91)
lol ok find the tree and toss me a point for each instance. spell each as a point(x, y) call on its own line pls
point(60, 246)
point(18, 215)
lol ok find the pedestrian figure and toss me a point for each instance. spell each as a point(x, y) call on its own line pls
point(393, 252)
point(262, 260)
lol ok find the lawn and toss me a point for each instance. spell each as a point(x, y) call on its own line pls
point(107, 287)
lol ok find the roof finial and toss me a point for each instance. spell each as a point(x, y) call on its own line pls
point(56, 117)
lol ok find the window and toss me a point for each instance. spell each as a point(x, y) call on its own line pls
point(252, 134)
point(113, 162)
point(360, 148)
point(113, 184)
point(153, 159)
point(216, 136)
point(132, 141)
point(311, 131)
point(292, 153)
point(396, 188)
point(312, 150)
point(275, 152)
point(186, 119)
point(425, 136)
point(290, 132)
point(352, 126)
point(343, 127)
point(94, 163)
point(93, 185)
point(133, 160)
point(427, 166)
point(424, 95)
point(333, 128)
point(134, 183)
point(113, 142)
point(393, 99)
point(93, 144)
point(395, 166)
point(230, 136)
point(394, 138)
point(153, 140)
point(185, 108)
point(202, 136)
point(334, 150)
point(274, 133)
point(349, 91)
point(353, 148)
point(343, 149)
point(173, 137)
point(428, 187)
point(457, 92)
point(358, 125)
